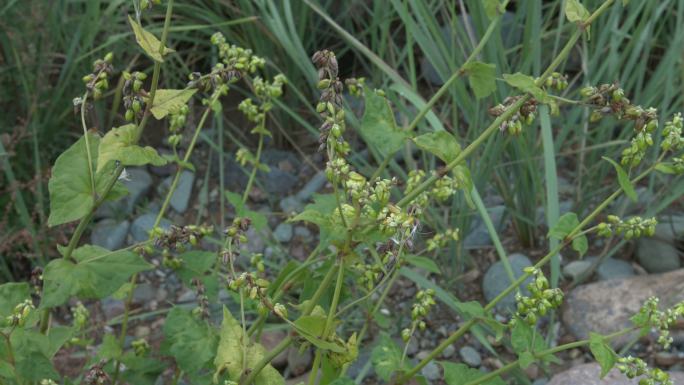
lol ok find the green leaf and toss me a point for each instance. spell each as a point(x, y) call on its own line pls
point(142, 370)
point(119, 144)
point(71, 193)
point(566, 223)
point(439, 143)
point(525, 359)
point(424, 263)
point(482, 76)
point(378, 127)
point(386, 357)
point(602, 352)
point(189, 340)
point(229, 356)
point(580, 244)
point(492, 8)
point(521, 337)
point(575, 11)
point(319, 213)
point(259, 220)
point(526, 84)
point(458, 374)
point(110, 348)
point(311, 324)
point(665, 168)
point(196, 262)
point(148, 42)
point(12, 294)
point(167, 101)
point(97, 273)
point(33, 352)
point(623, 180)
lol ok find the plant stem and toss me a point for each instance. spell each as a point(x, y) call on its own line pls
point(445, 87)
point(288, 340)
point(91, 173)
point(568, 239)
point(543, 353)
point(329, 320)
point(252, 175)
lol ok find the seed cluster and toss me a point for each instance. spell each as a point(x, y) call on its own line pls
point(525, 115)
point(634, 367)
point(542, 298)
point(634, 227)
point(649, 316)
point(20, 313)
point(424, 302)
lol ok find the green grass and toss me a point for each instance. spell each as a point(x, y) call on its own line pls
point(47, 48)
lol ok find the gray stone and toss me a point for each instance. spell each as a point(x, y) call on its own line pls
point(269, 340)
point(143, 224)
point(431, 371)
point(143, 293)
point(659, 253)
point(298, 362)
point(614, 269)
point(138, 184)
point(181, 196)
point(540, 381)
point(589, 374)
point(470, 356)
point(413, 347)
point(605, 307)
point(256, 241)
point(575, 269)
point(303, 233)
point(496, 280)
point(312, 186)
point(448, 351)
point(363, 360)
point(479, 236)
point(291, 204)
point(112, 307)
point(109, 234)
point(283, 232)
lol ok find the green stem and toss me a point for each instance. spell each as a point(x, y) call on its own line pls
point(541, 354)
point(329, 320)
point(288, 340)
point(252, 175)
point(91, 173)
point(568, 239)
point(445, 87)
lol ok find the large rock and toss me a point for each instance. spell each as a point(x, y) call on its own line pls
point(589, 374)
point(605, 307)
point(479, 235)
point(144, 223)
point(659, 254)
point(496, 280)
point(109, 234)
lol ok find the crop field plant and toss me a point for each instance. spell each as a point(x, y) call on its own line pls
point(369, 224)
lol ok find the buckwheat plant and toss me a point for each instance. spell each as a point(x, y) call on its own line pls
point(335, 300)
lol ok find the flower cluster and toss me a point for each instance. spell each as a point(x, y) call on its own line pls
point(440, 240)
point(609, 99)
point(96, 375)
point(387, 258)
point(134, 95)
point(634, 227)
point(424, 302)
point(257, 289)
point(140, 347)
point(97, 82)
point(202, 309)
point(176, 237)
point(524, 115)
point(330, 105)
point(634, 367)
point(672, 134)
point(147, 4)
point(235, 62)
point(81, 315)
point(237, 234)
point(556, 81)
point(650, 317)
point(542, 298)
point(20, 313)
point(177, 119)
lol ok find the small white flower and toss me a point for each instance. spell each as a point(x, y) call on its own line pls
point(124, 176)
